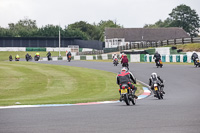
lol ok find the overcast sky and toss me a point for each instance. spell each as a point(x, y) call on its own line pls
point(129, 13)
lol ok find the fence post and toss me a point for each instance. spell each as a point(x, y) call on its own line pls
point(167, 42)
point(191, 39)
point(182, 40)
point(175, 41)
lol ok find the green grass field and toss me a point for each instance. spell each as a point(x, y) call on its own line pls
point(32, 83)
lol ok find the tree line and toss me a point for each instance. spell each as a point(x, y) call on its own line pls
point(181, 16)
point(28, 28)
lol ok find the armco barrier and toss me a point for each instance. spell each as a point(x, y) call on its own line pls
point(131, 57)
point(169, 58)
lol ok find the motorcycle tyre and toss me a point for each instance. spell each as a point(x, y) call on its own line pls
point(158, 95)
point(133, 100)
point(126, 99)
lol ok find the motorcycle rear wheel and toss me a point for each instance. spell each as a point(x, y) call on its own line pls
point(126, 99)
point(133, 100)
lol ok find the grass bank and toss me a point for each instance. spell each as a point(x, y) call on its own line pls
point(31, 83)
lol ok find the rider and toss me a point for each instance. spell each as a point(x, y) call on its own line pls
point(49, 55)
point(122, 56)
point(126, 77)
point(157, 57)
point(68, 54)
point(27, 57)
point(115, 57)
point(194, 57)
point(10, 58)
point(124, 61)
point(17, 56)
point(37, 54)
point(155, 77)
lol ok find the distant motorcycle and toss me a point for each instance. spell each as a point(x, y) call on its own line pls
point(28, 58)
point(49, 58)
point(115, 62)
point(36, 57)
point(127, 95)
point(158, 90)
point(197, 64)
point(17, 59)
point(69, 58)
point(10, 58)
point(159, 64)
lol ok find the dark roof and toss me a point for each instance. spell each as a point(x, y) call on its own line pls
point(149, 34)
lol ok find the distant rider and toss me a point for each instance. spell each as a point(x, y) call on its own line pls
point(194, 57)
point(157, 57)
point(115, 58)
point(155, 77)
point(27, 57)
point(10, 58)
point(49, 55)
point(126, 77)
point(17, 56)
point(69, 54)
point(124, 61)
point(122, 56)
point(37, 54)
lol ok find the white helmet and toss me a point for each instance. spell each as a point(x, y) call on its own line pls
point(154, 75)
point(124, 69)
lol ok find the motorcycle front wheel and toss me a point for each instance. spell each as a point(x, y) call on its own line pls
point(158, 95)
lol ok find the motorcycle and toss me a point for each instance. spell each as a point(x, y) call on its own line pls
point(49, 58)
point(69, 58)
point(159, 94)
point(37, 57)
point(17, 59)
point(197, 64)
point(159, 63)
point(28, 58)
point(10, 58)
point(115, 62)
point(127, 95)
point(125, 65)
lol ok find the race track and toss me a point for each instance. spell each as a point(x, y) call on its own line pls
point(178, 112)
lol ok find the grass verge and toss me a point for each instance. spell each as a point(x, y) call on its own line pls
point(31, 83)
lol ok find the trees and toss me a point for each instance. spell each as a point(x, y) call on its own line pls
point(106, 24)
point(81, 29)
point(23, 28)
point(181, 16)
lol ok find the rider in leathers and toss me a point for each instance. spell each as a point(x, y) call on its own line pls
point(157, 57)
point(155, 77)
point(124, 61)
point(126, 77)
point(194, 57)
point(68, 54)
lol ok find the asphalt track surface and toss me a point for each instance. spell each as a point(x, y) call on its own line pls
point(178, 112)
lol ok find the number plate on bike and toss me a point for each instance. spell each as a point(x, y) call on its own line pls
point(123, 91)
